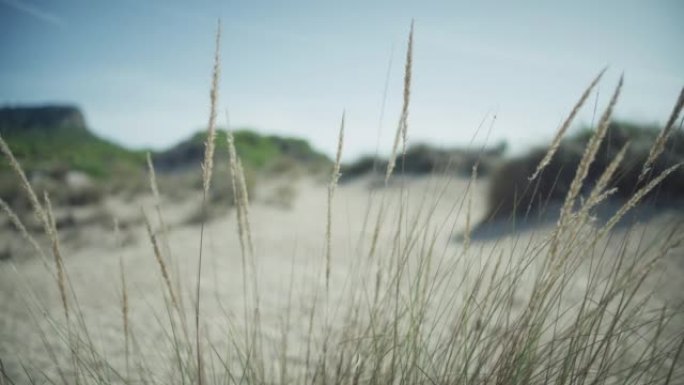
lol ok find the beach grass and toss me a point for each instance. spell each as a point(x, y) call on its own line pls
point(412, 309)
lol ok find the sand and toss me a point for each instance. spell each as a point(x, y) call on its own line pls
point(289, 248)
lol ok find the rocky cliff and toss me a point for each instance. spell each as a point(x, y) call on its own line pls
point(21, 119)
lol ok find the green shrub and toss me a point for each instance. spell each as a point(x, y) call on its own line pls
point(257, 151)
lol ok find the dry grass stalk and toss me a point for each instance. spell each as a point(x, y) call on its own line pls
point(160, 261)
point(468, 229)
point(402, 128)
point(381, 118)
point(244, 205)
point(245, 231)
point(393, 157)
point(241, 201)
point(59, 262)
point(124, 303)
point(554, 263)
point(153, 179)
point(233, 165)
point(38, 209)
point(376, 231)
point(659, 144)
point(600, 192)
point(636, 198)
point(680, 348)
point(331, 192)
point(605, 177)
point(402, 131)
point(157, 205)
point(338, 157)
point(167, 255)
point(240, 195)
point(209, 145)
point(407, 90)
point(237, 191)
point(555, 144)
point(46, 217)
point(24, 233)
point(589, 155)
point(207, 170)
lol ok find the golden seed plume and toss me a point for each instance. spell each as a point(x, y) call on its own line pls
point(601, 192)
point(590, 154)
point(407, 90)
point(237, 191)
point(659, 144)
point(338, 157)
point(240, 195)
point(207, 170)
point(555, 144)
point(607, 175)
point(331, 192)
point(232, 163)
point(209, 145)
point(636, 198)
point(402, 127)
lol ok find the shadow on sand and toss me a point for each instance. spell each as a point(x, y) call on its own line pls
point(488, 230)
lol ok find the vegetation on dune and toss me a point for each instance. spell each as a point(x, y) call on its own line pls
point(257, 151)
point(44, 140)
point(53, 141)
point(423, 159)
point(513, 190)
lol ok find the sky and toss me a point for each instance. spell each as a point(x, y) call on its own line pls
point(483, 71)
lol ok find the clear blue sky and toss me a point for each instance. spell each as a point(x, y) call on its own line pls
point(141, 69)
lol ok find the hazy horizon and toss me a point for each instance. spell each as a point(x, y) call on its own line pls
point(141, 71)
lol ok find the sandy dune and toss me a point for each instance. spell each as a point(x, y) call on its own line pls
point(290, 250)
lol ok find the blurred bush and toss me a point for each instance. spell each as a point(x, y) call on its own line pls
point(423, 159)
point(257, 151)
point(511, 191)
